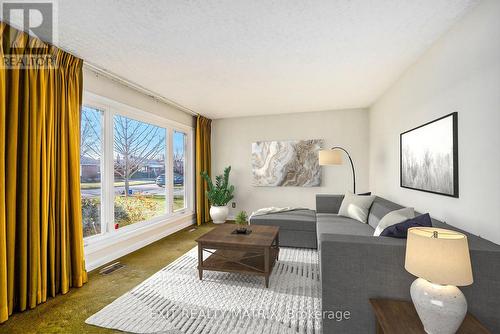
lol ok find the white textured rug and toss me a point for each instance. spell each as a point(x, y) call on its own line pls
point(174, 301)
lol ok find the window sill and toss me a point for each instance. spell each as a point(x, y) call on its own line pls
point(131, 230)
point(101, 249)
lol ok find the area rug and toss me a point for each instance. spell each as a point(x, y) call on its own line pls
point(174, 300)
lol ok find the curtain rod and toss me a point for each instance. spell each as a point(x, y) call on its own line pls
point(127, 83)
point(137, 87)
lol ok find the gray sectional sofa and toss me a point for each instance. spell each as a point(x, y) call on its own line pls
point(356, 266)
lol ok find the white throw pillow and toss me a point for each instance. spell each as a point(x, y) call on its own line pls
point(393, 218)
point(356, 206)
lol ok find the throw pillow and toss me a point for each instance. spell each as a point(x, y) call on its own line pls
point(393, 218)
point(401, 230)
point(356, 206)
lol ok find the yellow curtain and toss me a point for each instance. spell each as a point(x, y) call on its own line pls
point(203, 163)
point(41, 238)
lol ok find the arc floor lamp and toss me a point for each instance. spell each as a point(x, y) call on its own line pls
point(333, 156)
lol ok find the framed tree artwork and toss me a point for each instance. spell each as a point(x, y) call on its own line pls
point(429, 157)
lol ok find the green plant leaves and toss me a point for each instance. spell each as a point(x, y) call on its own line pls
point(222, 192)
point(241, 218)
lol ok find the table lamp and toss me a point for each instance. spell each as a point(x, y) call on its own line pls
point(440, 259)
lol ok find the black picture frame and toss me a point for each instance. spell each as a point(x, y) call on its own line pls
point(455, 194)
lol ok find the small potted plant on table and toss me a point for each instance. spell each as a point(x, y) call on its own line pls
point(241, 220)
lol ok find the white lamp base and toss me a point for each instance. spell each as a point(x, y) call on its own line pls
point(441, 308)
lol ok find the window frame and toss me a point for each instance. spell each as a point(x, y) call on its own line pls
point(185, 168)
point(110, 108)
point(102, 213)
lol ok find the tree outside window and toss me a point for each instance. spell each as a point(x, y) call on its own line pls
point(139, 171)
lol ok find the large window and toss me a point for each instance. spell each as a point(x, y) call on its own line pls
point(133, 168)
point(139, 171)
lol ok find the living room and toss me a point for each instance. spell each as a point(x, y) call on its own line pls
point(250, 167)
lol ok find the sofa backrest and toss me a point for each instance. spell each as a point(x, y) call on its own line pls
point(380, 207)
point(326, 203)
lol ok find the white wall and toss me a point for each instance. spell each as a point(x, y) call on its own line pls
point(461, 72)
point(231, 145)
point(106, 87)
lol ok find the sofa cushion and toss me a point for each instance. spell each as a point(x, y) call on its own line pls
point(347, 228)
point(379, 209)
point(393, 218)
point(297, 220)
point(400, 230)
point(335, 224)
point(334, 218)
point(356, 206)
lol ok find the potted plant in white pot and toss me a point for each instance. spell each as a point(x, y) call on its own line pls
point(219, 194)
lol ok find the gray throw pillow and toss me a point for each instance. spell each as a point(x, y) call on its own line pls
point(356, 206)
point(393, 218)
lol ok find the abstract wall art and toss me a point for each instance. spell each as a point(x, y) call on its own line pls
point(290, 163)
point(429, 157)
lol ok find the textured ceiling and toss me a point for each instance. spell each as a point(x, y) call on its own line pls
point(228, 58)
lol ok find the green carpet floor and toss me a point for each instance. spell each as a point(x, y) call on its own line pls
point(67, 313)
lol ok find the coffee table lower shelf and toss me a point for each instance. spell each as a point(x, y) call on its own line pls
point(238, 261)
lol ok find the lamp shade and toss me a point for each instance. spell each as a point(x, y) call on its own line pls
point(439, 256)
point(330, 157)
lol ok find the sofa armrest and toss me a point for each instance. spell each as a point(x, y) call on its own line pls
point(355, 269)
point(328, 203)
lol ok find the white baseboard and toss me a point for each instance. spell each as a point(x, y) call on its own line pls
point(117, 249)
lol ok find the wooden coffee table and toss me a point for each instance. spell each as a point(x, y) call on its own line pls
point(255, 253)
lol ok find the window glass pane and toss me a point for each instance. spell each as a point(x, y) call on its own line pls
point(139, 171)
point(90, 169)
point(179, 143)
